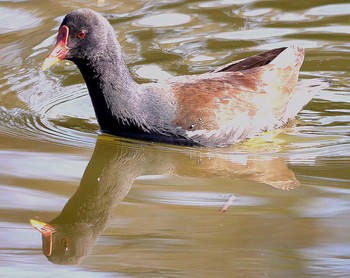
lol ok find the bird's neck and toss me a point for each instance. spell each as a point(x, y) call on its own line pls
point(113, 91)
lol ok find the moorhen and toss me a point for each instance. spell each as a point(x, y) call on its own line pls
point(219, 108)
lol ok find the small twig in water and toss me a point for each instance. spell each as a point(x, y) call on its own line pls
point(228, 203)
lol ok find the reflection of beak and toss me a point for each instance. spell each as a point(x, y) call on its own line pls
point(46, 230)
point(60, 50)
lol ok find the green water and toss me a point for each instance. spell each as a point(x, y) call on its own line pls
point(138, 209)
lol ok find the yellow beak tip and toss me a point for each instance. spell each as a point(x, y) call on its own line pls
point(37, 224)
point(49, 62)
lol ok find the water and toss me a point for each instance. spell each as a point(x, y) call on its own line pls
point(154, 210)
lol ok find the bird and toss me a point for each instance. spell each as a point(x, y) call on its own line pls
point(219, 108)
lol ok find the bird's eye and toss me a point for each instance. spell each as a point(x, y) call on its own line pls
point(65, 244)
point(81, 35)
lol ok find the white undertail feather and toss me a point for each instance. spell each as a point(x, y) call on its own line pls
point(292, 56)
point(282, 75)
point(302, 94)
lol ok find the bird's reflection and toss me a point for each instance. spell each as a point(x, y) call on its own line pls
point(112, 170)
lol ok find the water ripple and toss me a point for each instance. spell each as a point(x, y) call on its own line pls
point(330, 10)
point(24, 20)
point(47, 110)
point(57, 107)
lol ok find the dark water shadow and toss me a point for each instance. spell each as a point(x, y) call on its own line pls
point(110, 174)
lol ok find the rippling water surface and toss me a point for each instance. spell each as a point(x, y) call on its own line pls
point(124, 208)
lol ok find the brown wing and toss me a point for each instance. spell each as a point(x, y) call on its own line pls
point(230, 106)
point(255, 61)
point(209, 104)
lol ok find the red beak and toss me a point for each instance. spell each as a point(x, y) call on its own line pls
point(60, 50)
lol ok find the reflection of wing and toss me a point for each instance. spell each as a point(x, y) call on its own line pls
point(269, 170)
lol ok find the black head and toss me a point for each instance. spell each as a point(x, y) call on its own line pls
point(83, 34)
point(88, 33)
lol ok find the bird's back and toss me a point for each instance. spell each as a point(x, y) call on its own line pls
point(238, 100)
